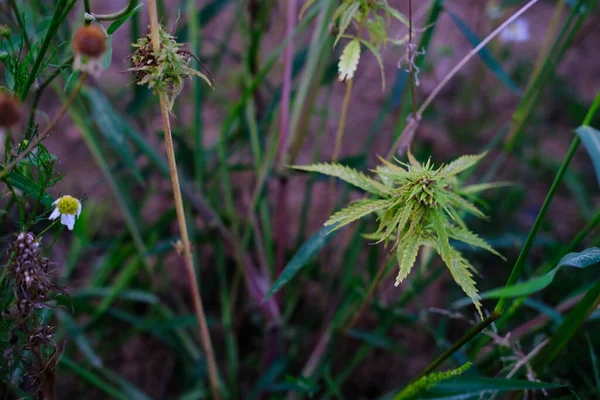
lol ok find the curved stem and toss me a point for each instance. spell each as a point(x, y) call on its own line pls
point(339, 138)
point(520, 264)
point(370, 291)
point(458, 344)
point(113, 16)
point(187, 253)
point(35, 142)
point(455, 70)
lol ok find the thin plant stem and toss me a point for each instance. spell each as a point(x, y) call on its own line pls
point(60, 12)
point(187, 253)
point(113, 16)
point(380, 274)
point(411, 127)
point(458, 344)
point(35, 142)
point(339, 138)
point(519, 265)
point(42, 87)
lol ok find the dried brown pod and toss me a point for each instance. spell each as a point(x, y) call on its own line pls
point(89, 41)
point(10, 110)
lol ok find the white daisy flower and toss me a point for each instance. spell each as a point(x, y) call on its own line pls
point(68, 209)
point(516, 32)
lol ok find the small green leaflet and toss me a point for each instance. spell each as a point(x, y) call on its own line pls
point(591, 140)
point(304, 254)
point(349, 60)
point(115, 25)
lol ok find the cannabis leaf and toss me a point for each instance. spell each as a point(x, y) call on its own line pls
point(372, 16)
point(428, 381)
point(417, 205)
point(349, 60)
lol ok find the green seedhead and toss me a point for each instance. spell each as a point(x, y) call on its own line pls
point(417, 205)
point(166, 71)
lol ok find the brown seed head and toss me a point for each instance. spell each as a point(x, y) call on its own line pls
point(10, 110)
point(90, 41)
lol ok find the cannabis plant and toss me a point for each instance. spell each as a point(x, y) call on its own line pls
point(416, 205)
point(370, 16)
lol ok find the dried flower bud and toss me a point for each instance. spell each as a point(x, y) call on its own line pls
point(166, 71)
point(90, 41)
point(89, 44)
point(10, 110)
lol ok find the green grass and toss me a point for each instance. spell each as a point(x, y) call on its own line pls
point(286, 335)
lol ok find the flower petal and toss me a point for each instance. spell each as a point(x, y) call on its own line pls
point(78, 208)
point(55, 214)
point(68, 220)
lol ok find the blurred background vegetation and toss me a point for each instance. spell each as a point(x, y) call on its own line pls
point(127, 330)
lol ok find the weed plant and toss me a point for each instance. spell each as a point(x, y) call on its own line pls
point(222, 287)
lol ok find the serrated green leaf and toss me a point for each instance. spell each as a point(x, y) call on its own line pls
point(428, 381)
point(346, 17)
point(466, 236)
point(348, 175)
point(461, 203)
point(304, 254)
point(480, 187)
point(356, 211)
point(461, 164)
point(397, 223)
point(407, 255)
point(591, 140)
point(458, 266)
point(349, 60)
point(460, 270)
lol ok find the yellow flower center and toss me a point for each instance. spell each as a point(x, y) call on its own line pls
point(68, 205)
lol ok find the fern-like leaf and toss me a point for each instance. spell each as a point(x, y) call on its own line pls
point(473, 239)
point(348, 175)
point(428, 381)
point(357, 211)
point(346, 13)
point(394, 223)
point(461, 272)
point(460, 202)
point(349, 60)
point(461, 164)
point(406, 256)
